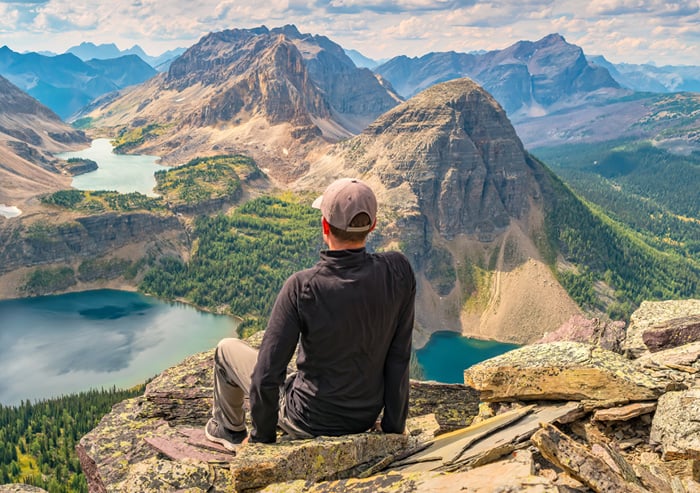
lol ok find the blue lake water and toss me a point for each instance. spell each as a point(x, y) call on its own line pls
point(54, 345)
point(120, 172)
point(447, 354)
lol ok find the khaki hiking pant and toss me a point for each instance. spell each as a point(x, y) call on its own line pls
point(234, 361)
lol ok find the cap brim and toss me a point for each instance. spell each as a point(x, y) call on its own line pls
point(317, 203)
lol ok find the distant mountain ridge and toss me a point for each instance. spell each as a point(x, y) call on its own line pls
point(652, 78)
point(87, 51)
point(65, 83)
point(525, 78)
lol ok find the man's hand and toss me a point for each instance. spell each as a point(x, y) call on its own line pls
point(245, 440)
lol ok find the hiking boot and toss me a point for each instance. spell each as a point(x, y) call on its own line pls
point(217, 433)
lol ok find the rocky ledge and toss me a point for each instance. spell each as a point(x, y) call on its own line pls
point(557, 416)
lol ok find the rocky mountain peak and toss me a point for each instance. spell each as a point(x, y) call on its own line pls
point(458, 193)
point(231, 86)
point(455, 148)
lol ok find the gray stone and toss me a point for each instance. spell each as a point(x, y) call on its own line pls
point(676, 425)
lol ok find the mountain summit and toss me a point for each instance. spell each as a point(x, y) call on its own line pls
point(463, 199)
point(268, 93)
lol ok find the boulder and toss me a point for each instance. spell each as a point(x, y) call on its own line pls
point(561, 371)
point(653, 313)
point(608, 335)
point(676, 425)
point(672, 333)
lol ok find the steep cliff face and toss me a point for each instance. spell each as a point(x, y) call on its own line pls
point(276, 95)
point(97, 249)
point(526, 77)
point(463, 199)
point(29, 133)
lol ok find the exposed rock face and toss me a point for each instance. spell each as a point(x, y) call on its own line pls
point(275, 95)
point(521, 77)
point(462, 198)
point(561, 370)
point(29, 132)
point(651, 314)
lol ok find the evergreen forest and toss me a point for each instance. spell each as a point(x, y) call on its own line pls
point(38, 439)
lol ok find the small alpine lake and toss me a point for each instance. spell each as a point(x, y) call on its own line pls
point(123, 173)
point(55, 345)
point(447, 354)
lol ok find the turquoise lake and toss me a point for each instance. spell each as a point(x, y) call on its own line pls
point(54, 345)
point(120, 172)
point(447, 354)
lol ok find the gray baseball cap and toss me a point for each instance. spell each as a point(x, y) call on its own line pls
point(343, 200)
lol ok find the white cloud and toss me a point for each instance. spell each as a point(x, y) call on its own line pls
point(622, 30)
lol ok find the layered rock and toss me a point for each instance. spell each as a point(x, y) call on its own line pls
point(657, 313)
point(561, 371)
point(85, 237)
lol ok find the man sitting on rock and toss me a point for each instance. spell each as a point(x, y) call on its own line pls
point(352, 314)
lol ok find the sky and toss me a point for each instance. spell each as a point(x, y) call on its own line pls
point(665, 32)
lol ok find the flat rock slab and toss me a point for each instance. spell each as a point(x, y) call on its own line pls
point(561, 371)
point(179, 450)
point(624, 413)
point(486, 441)
point(651, 313)
point(676, 425)
point(512, 474)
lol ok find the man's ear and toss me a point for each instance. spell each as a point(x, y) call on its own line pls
point(326, 226)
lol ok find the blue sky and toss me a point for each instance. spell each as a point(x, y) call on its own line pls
point(634, 31)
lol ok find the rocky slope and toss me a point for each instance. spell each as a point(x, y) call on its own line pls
point(575, 417)
point(461, 197)
point(276, 95)
point(29, 134)
point(526, 78)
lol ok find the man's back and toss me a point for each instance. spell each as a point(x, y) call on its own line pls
point(354, 313)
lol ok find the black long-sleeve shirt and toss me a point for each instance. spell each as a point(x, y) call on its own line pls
point(353, 314)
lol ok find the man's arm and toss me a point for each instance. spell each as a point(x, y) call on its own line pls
point(396, 367)
point(276, 350)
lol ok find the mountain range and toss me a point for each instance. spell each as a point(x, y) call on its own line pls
point(65, 83)
point(652, 78)
point(89, 51)
point(500, 245)
point(276, 95)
